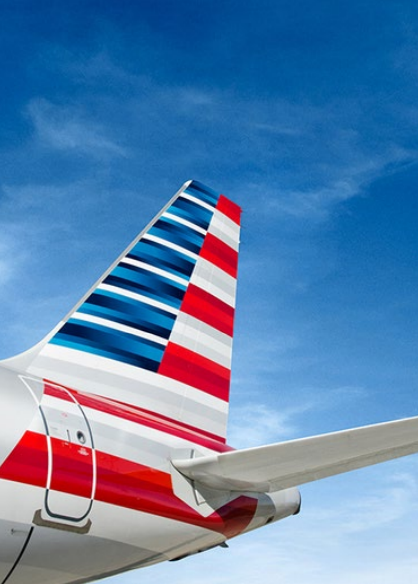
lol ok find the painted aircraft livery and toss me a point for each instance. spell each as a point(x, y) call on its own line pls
point(113, 450)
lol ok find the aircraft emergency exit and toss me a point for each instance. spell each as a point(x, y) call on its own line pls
point(113, 450)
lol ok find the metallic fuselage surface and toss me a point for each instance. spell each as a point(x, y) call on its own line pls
point(87, 489)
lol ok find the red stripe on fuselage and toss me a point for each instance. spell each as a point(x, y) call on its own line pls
point(57, 391)
point(145, 418)
point(28, 461)
point(133, 486)
point(123, 483)
point(72, 467)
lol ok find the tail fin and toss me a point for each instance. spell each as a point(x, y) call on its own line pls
point(156, 330)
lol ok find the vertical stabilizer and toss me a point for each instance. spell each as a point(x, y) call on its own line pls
point(156, 330)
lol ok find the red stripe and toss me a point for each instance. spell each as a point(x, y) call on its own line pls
point(230, 209)
point(55, 391)
point(131, 485)
point(72, 468)
point(209, 309)
point(28, 461)
point(150, 420)
point(219, 253)
point(237, 515)
point(126, 484)
point(193, 369)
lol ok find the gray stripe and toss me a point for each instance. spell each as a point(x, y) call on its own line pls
point(131, 391)
point(203, 339)
point(213, 275)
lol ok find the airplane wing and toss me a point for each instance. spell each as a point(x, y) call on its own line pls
point(290, 464)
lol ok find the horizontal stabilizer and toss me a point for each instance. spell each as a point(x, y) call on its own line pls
point(290, 464)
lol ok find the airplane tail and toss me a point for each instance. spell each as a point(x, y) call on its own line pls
point(156, 330)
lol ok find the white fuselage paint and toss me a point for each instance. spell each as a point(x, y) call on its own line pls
point(49, 536)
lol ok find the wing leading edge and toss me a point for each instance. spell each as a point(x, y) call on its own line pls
point(289, 464)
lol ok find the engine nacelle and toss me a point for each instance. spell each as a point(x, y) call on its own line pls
point(274, 506)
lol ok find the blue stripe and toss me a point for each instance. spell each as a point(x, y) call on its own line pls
point(177, 234)
point(129, 312)
point(122, 346)
point(88, 347)
point(145, 288)
point(196, 189)
point(113, 338)
point(191, 212)
point(182, 230)
point(157, 282)
point(162, 257)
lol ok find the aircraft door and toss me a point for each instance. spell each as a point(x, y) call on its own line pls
point(72, 469)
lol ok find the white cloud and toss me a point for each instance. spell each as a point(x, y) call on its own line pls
point(299, 159)
point(348, 179)
point(393, 496)
point(69, 128)
point(257, 424)
point(383, 506)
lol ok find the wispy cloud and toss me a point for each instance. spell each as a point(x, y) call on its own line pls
point(383, 506)
point(70, 128)
point(299, 158)
point(317, 203)
point(255, 424)
point(390, 500)
point(45, 238)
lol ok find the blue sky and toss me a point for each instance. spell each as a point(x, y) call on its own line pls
point(305, 114)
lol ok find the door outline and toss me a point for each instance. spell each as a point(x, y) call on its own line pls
point(83, 417)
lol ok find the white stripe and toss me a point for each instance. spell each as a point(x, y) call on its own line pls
point(138, 297)
point(144, 445)
point(171, 245)
point(154, 270)
point(156, 448)
point(188, 407)
point(125, 372)
point(215, 281)
point(197, 201)
point(199, 337)
point(141, 444)
point(130, 385)
point(225, 230)
point(116, 424)
point(119, 327)
point(185, 223)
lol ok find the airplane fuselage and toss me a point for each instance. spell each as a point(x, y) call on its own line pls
point(87, 488)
